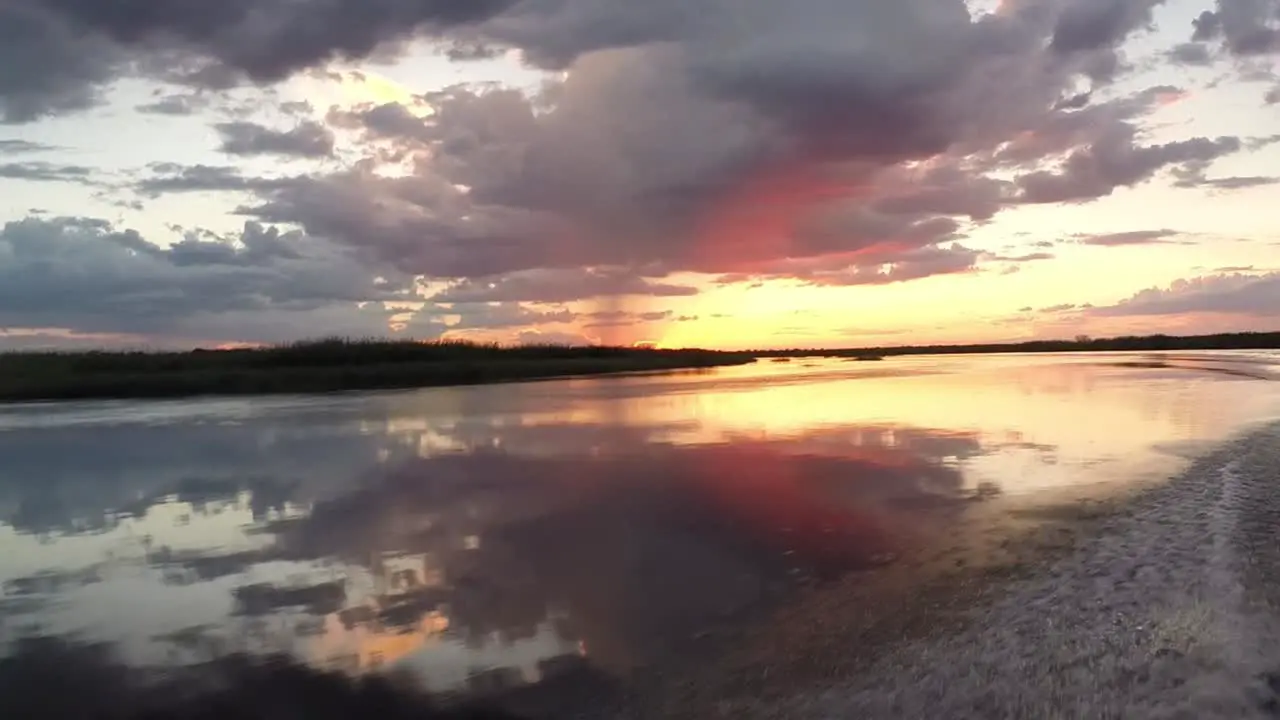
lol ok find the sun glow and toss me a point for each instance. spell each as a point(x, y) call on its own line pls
point(347, 88)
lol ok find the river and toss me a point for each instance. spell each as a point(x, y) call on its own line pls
point(485, 538)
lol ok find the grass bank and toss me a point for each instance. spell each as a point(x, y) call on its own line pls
point(320, 366)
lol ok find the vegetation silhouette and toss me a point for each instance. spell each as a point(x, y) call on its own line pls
point(326, 365)
point(1130, 343)
point(337, 364)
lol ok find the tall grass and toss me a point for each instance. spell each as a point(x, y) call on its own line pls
point(327, 364)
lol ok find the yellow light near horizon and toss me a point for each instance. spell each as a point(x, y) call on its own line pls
point(371, 87)
point(350, 88)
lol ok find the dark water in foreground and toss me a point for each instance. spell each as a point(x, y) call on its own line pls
point(484, 538)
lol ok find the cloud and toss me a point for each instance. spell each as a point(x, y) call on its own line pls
point(717, 139)
point(673, 141)
point(47, 67)
point(380, 122)
point(1239, 182)
point(1093, 24)
point(44, 339)
point(18, 147)
point(1228, 294)
point(296, 107)
point(544, 337)
point(76, 281)
point(507, 189)
point(1244, 27)
point(559, 286)
point(1114, 161)
point(85, 276)
point(56, 55)
point(884, 267)
point(178, 104)
point(173, 178)
point(623, 318)
point(47, 172)
point(1028, 257)
point(1247, 31)
point(1191, 53)
point(496, 316)
point(1132, 237)
point(833, 143)
point(307, 139)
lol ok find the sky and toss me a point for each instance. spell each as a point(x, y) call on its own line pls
point(718, 173)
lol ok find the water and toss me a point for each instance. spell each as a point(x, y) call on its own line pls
point(483, 538)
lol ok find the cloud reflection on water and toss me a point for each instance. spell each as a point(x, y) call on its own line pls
point(495, 535)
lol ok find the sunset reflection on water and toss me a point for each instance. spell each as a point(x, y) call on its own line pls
point(491, 537)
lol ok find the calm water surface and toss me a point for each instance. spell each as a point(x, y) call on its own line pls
point(489, 537)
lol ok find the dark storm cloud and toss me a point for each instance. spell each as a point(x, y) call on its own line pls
point(1234, 294)
point(560, 169)
point(688, 144)
point(1245, 27)
point(266, 39)
point(423, 225)
point(1093, 24)
point(56, 55)
point(264, 285)
point(307, 139)
point(85, 277)
point(46, 67)
point(830, 141)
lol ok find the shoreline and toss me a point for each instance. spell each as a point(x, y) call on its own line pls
point(323, 369)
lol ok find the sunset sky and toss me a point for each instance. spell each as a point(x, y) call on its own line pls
point(719, 173)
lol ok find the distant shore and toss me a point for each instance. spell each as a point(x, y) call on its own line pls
point(1129, 343)
point(337, 364)
point(321, 366)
